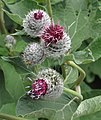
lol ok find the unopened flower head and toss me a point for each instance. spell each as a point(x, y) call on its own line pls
point(55, 41)
point(33, 54)
point(35, 22)
point(10, 41)
point(48, 84)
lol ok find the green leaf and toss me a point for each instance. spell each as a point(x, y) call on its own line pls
point(95, 67)
point(15, 17)
point(77, 21)
point(95, 116)
point(23, 7)
point(20, 45)
point(89, 106)
point(55, 1)
point(10, 1)
point(59, 109)
point(8, 108)
point(91, 93)
point(3, 51)
point(4, 95)
point(95, 47)
point(13, 81)
point(83, 57)
point(20, 67)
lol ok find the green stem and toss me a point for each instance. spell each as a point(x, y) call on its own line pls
point(67, 90)
point(49, 8)
point(2, 25)
point(10, 117)
point(82, 73)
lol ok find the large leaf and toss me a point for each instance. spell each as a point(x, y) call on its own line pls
point(8, 108)
point(16, 18)
point(67, 15)
point(95, 67)
point(88, 107)
point(95, 47)
point(59, 109)
point(83, 57)
point(23, 7)
point(13, 81)
point(95, 116)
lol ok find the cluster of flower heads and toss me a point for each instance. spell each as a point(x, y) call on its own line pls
point(48, 84)
point(54, 40)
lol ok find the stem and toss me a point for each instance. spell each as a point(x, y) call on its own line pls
point(67, 90)
point(2, 25)
point(49, 8)
point(10, 117)
point(82, 73)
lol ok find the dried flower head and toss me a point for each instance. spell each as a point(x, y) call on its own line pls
point(33, 54)
point(48, 84)
point(35, 22)
point(55, 41)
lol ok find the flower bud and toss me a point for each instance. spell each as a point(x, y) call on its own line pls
point(33, 54)
point(35, 22)
point(48, 84)
point(9, 41)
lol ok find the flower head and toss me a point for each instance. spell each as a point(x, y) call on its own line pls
point(10, 41)
point(33, 54)
point(55, 41)
point(48, 84)
point(35, 22)
point(53, 34)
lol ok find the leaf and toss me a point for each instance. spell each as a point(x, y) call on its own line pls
point(95, 47)
point(20, 67)
point(55, 1)
point(59, 109)
point(95, 67)
point(15, 17)
point(3, 51)
point(83, 57)
point(91, 93)
point(95, 116)
point(8, 108)
point(13, 82)
point(20, 45)
point(10, 1)
point(89, 106)
point(23, 7)
point(4, 95)
point(76, 21)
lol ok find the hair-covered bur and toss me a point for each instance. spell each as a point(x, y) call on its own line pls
point(48, 84)
point(35, 22)
point(55, 41)
point(33, 54)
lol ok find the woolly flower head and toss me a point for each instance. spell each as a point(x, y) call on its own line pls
point(35, 22)
point(55, 41)
point(10, 41)
point(33, 54)
point(48, 84)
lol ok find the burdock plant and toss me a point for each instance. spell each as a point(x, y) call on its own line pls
point(42, 46)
